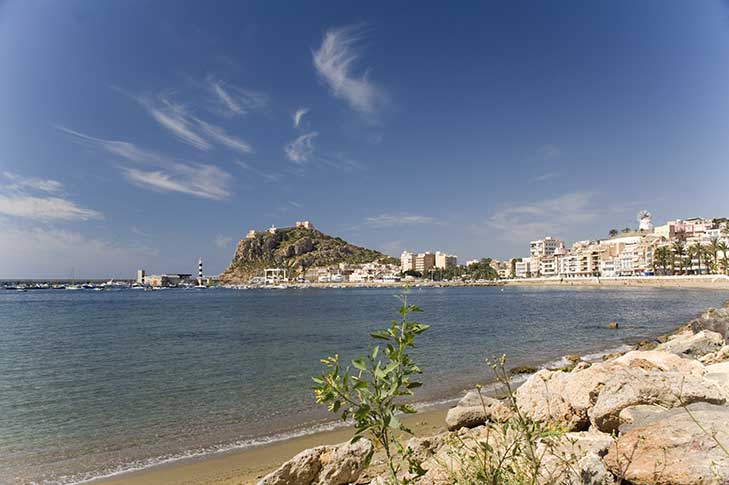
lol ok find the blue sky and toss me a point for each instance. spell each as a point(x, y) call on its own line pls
point(147, 134)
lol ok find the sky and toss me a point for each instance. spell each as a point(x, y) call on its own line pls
point(139, 134)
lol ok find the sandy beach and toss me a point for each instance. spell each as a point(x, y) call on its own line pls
point(245, 467)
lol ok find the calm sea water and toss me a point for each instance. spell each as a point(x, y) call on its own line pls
point(92, 383)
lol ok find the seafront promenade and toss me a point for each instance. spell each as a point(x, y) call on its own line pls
point(688, 281)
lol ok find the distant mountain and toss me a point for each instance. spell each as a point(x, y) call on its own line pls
point(296, 249)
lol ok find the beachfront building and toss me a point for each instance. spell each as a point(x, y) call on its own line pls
point(443, 260)
point(274, 276)
point(544, 247)
point(140, 276)
point(424, 262)
point(167, 280)
point(522, 269)
point(472, 261)
point(407, 261)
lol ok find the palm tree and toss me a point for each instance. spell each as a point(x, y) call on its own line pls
point(679, 252)
point(722, 246)
point(626, 229)
point(697, 251)
point(613, 232)
point(662, 259)
point(714, 251)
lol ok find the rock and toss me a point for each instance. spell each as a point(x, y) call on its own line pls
point(630, 387)
point(474, 410)
point(720, 355)
point(695, 345)
point(574, 458)
point(563, 397)
point(581, 366)
point(421, 449)
point(523, 369)
point(637, 415)
point(672, 449)
point(715, 320)
point(613, 325)
point(664, 361)
point(323, 465)
point(719, 374)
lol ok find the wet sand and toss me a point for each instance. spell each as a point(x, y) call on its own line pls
point(244, 467)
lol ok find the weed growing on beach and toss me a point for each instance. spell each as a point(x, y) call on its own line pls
point(370, 391)
point(518, 451)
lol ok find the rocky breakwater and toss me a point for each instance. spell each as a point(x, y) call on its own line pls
point(658, 416)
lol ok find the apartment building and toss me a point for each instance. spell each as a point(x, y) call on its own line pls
point(424, 262)
point(407, 261)
point(545, 247)
point(522, 269)
point(443, 260)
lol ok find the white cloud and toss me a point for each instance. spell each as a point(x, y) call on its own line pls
point(42, 185)
point(271, 177)
point(169, 175)
point(222, 137)
point(386, 220)
point(206, 181)
point(174, 118)
point(298, 115)
point(223, 241)
point(44, 208)
point(553, 216)
point(231, 101)
point(545, 176)
point(335, 60)
point(43, 252)
point(301, 149)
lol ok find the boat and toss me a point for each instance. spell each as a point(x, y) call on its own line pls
point(73, 287)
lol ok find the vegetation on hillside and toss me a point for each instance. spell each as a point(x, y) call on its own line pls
point(295, 249)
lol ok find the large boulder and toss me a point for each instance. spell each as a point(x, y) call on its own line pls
point(717, 357)
point(323, 465)
point(694, 345)
point(672, 449)
point(633, 386)
point(564, 397)
point(663, 361)
point(575, 459)
point(714, 319)
point(476, 409)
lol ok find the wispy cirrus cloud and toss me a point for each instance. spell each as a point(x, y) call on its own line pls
point(160, 173)
point(387, 220)
point(175, 119)
point(38, 200)
point(298, 115)
point(206, 181)
point(336, 59)
point(219, 134)
point(268, 176)
point(553, 216)
point(230, 101)
point(545, 176)
point(44, 209)
point(43, 185)
point(300, 149)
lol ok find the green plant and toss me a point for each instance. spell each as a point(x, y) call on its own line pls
point(371, 390)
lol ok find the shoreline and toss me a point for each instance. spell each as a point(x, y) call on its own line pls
point(709, 282)
point(246, 465)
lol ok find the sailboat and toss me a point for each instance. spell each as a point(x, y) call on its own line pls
point(73, 285)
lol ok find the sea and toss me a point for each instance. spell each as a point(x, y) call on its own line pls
point(96, 383)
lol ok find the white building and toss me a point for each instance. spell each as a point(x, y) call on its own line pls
point(522, 269)
point(544, 247)
point(443, 260)
point(407, 261)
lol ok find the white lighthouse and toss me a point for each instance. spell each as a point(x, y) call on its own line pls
point(199, 273)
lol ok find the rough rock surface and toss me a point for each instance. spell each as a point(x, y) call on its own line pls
point(653, 359)
point(671, 449)
point(714, 319)
point(720, 355)
point(696, 345)
point(637, 415)
point(323, 465)
point(563, 397)
point(474, 410)
point(629, 387)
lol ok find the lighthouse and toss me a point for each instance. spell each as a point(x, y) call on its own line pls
point(199, 272)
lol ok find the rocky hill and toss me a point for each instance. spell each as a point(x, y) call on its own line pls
point(296, 249)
